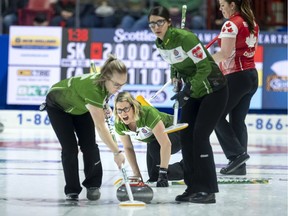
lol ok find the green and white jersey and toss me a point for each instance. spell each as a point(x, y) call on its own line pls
point(191, 61)
point(149, 117)
point(73, 94)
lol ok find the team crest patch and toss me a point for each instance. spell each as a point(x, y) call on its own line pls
point(144, 131)
point(176, 53)
point(197, 52)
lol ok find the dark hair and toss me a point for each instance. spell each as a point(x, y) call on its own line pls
point(40, 18)
point(159, 11)
point(244, 7)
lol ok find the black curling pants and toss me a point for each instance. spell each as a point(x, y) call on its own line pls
point(202, 115)
point(153, 156)
point(232, 134)
point(74, 130)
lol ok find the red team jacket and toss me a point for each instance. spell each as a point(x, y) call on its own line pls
point(242, 57)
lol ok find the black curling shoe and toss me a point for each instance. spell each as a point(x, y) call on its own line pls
point(239, 171)
point(235, 164)
point(185, 197)
point(203, 198)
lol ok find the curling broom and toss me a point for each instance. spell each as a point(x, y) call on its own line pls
point(145, 102)
point(178, 126)
point(131, 202)
point(233, 180)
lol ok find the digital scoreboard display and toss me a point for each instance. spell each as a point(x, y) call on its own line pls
point(42, 56)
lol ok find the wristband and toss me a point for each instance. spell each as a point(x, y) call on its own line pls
point(117, 153)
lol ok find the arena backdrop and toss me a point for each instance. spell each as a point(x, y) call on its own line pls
point(41, 56)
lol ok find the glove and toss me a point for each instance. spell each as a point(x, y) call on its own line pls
point(178, 84)
point(163, 178)
point(183, 96)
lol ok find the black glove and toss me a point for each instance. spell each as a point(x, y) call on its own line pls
point(163, 178)
point(183, 96)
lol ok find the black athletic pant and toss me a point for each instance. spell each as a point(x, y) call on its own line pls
point(153, 158)
point(202, 115)
point(74, 130)
point(232, 134)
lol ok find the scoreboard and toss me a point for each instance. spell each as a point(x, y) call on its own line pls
point(42, 56)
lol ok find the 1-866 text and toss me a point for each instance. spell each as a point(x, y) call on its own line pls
point(30, 119)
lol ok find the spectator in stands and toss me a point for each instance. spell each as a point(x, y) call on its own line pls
point(40, 20)
point(195, 18)
point(135, 15)
point(103, 14)
point(10, 15)
point(65, 14)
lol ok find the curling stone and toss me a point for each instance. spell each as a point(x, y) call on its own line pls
point(140, 191)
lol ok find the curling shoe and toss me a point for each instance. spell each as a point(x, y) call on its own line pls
point(93, 193)
point(239, 171)
point(235, 164)
point(185, 197)
point(203, 198)
point(72, 197)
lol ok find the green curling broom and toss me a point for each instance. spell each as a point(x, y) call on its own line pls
point(232, 180)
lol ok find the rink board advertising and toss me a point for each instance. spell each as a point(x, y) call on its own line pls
point(39, 57)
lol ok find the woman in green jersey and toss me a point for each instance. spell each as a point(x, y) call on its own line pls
point(75, 108)
point(147, 124)
point(204, 95)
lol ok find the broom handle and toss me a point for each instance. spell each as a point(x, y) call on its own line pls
point(212, 42)
point(176, 108)
point(160, 90)
point(176, 104)
point(128, 188)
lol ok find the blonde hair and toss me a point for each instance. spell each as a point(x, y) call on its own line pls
point(127, 97)
point(112, 65)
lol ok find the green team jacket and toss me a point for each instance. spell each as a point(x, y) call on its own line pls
point(191, 61)
point(149, 117)
point(73, 94)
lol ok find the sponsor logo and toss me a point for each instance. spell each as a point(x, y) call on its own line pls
point(121, 36)
point(277, 83)
point(35, 42)
point(35, 73)
point(32, 90)
point(177, 54)
point(144, 131)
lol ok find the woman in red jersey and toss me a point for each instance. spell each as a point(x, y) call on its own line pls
point(238, 41)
